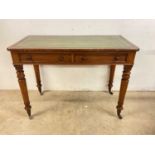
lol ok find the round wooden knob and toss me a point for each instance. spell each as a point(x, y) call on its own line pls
point(61, 58)
point(117, 58)
point(28, 58)
point(83, 58)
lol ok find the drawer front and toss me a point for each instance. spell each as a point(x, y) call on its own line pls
point(46, 58)
point(100, 59)
point(73, 58)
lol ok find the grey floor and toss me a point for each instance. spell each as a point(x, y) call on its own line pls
point(62, 112)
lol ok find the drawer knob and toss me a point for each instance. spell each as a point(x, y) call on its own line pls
point(117, 58)
point(83, 58)
point(61, 58)
point(28, 58)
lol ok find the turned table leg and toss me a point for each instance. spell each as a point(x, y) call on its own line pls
point(111, 78)
point(123, 88)
point(38, 79)
point(23, 88)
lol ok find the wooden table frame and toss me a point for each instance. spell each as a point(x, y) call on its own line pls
point(111, 57)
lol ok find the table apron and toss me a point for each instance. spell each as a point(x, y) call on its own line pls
point(73, 58)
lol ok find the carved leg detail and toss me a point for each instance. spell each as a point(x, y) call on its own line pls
point(23, 88)
point(38, 79)
point(112, 72)
point(123, 88)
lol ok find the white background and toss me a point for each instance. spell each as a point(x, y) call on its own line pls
point(95, 78)
point(74, 9)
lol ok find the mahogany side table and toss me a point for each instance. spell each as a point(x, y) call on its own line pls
point(73, 50)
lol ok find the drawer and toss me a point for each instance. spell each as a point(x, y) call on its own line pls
point(47, 58)
point(100, 58)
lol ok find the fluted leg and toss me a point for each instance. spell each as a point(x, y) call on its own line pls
point(23, 88)
point(123, 88)
point(111, 78)
point(38, 79)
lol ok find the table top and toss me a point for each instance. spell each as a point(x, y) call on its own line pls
point(108, 42)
